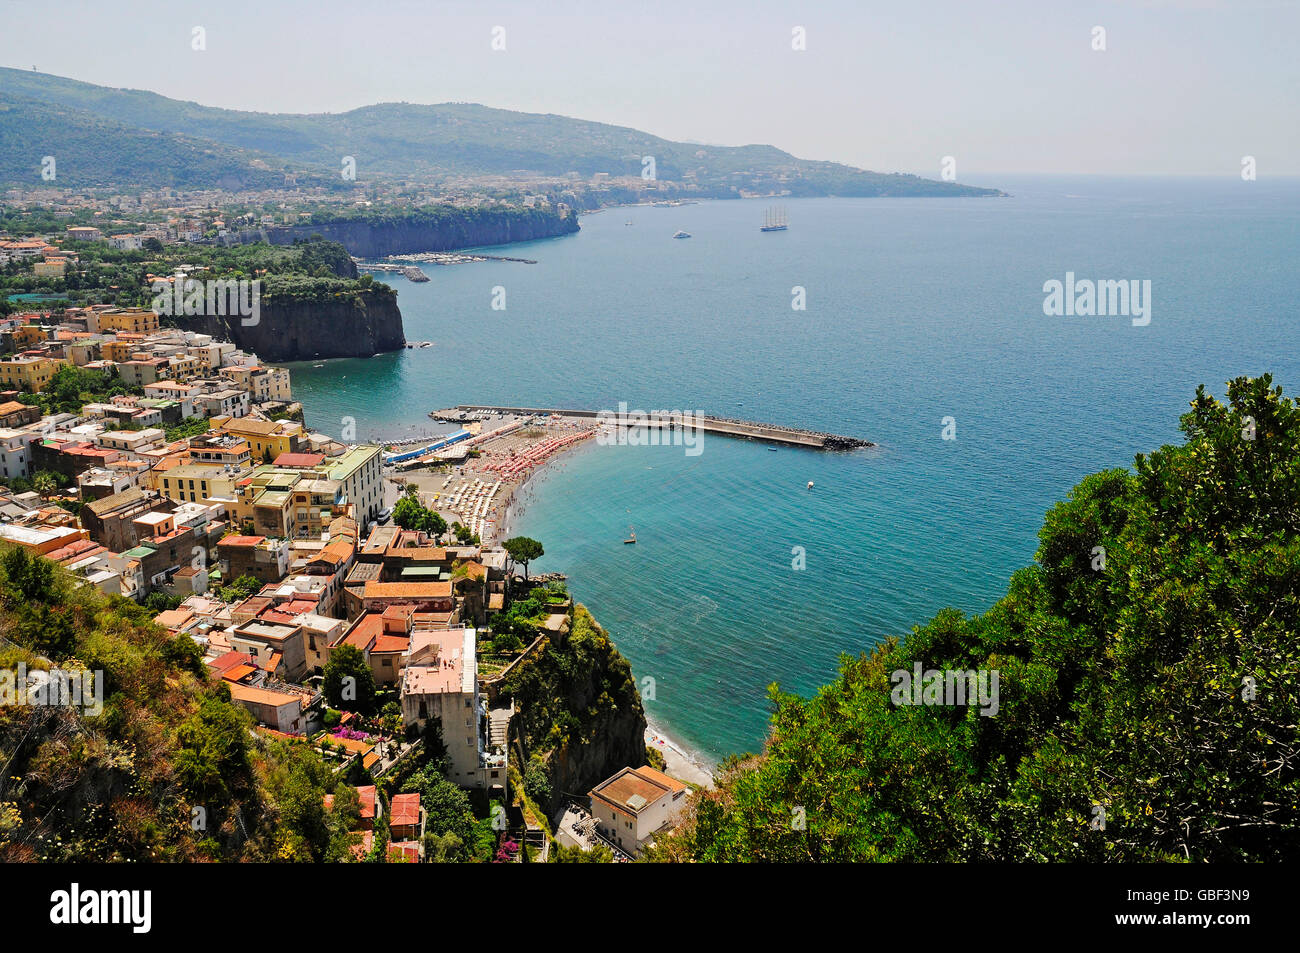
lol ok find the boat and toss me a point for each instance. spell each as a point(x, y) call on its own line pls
point(631, 536)
point(318, 365)
point(681, 234)
point(772, 449)
point(774, 221)
point(810, 484)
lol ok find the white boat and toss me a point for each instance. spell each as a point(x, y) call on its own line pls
point(810, 484)
point(680, 234)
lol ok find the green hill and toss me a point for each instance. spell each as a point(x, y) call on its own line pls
point(404, 140)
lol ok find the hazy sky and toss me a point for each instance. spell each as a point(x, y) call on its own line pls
point(1183, 87)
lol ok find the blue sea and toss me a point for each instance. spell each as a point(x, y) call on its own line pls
point(917, 310)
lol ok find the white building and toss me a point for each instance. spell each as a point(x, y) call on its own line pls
point(636, 804)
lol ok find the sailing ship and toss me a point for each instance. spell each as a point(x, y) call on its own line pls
point(774, 220)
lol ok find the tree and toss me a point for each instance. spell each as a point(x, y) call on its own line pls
point(1142, 710)
point(523, 550)
point(240, 589)
point(447, 807)
point(45, 485)
point(349, 682)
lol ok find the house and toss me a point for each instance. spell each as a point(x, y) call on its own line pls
point(111, 520)
point(371, 807)
point(383, 638)
point(404, 817)
point(279, 710)
point(423, 596)
point(635, 804)
point(265, 559)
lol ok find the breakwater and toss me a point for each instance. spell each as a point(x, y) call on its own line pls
point(744, 429)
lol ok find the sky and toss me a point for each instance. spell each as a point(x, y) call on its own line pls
point(1182, 87)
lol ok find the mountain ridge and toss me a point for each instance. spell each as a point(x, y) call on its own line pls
point(423, 141)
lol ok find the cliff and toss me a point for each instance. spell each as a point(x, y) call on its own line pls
point(359, 323)
point(578, 709)
point(440, 229)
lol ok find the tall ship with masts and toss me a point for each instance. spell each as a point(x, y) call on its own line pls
point(774, 220)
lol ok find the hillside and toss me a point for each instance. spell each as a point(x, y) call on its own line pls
point(401, 139)
point(167, 770)
point(1147, 705)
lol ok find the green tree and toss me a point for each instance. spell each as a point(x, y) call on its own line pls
point(523, 550)
point(349, 682)
point(1146, 708)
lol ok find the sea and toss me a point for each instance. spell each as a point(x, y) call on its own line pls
point(918, 324)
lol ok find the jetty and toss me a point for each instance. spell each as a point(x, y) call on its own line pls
point(410, 272)
point(726, 426)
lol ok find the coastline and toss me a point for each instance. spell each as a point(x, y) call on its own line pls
point(679, 762)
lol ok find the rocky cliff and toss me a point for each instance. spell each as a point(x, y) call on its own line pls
point(578, 709)
point(355, 324)
point(440, 230)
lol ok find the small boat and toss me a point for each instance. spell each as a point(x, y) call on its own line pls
point(631, 536)
point(771, 449)
point(810, 484)
point(628, 222)
point(318, 365)
point(681, 234)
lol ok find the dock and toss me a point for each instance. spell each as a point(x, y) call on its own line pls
point(726, 426)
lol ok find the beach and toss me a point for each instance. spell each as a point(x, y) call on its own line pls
point(680, 764)
point(482, 482)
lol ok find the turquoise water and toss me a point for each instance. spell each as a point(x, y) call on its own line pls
point(917, 309)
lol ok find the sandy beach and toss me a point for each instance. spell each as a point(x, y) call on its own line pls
point(680, 765)
point(487, 492)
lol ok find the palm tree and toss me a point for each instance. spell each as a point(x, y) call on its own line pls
point(44, 484)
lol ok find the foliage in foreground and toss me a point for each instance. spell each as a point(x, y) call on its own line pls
point(169, 770)
point(1150, 684)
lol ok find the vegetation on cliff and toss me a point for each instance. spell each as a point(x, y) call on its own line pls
point(579, 716)
point(1148, 695)
point(169, 770)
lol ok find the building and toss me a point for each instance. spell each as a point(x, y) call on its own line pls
point(199, 482)
point(267, 438)
point(15, 454)
point(264, 559)
point(440, 680)
point(634, 805)
point(111, 521)
point(275, 709)
point(39, 539)
point(16, 414)
point(262, 383)
point(383, 638)
point(29, 373)
point(129, 320)
point(404, 817)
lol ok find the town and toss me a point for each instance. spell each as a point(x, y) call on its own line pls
point(174, 470)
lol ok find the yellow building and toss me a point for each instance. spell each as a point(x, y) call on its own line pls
point(267, 438)
point(198, 483)
point(50, 268)
point(132, 320)
point(119, 352)
point(27, 335)
point(27, 373)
